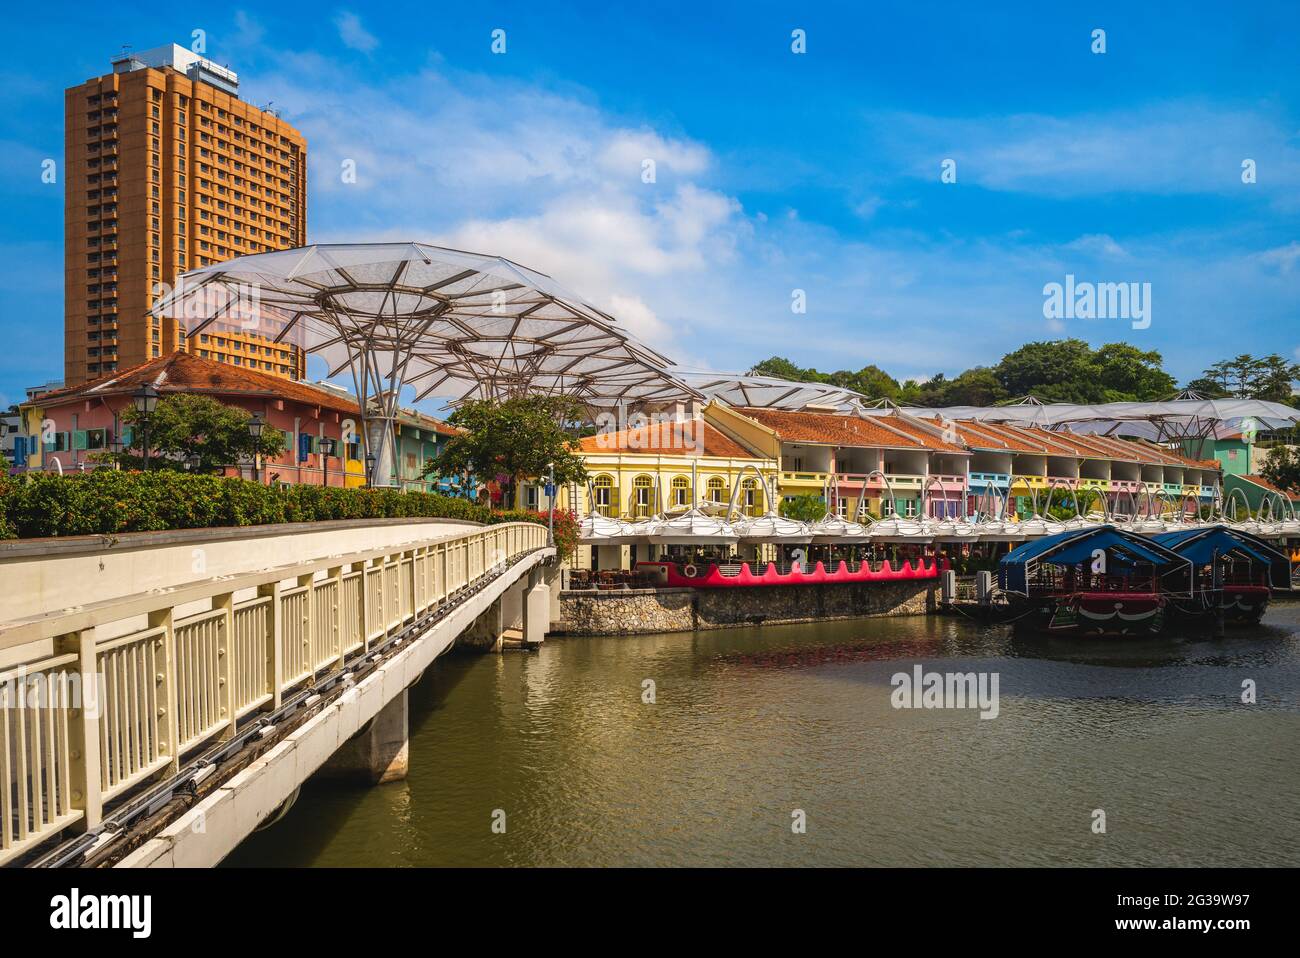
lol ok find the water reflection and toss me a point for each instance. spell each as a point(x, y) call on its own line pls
point(749, 725)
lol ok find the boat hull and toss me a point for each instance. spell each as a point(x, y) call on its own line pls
point(1240, 606)
point(1094, 614)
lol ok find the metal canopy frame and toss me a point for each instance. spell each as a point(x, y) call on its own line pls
point(767, 392)
point(1187, 416)
point(446, 322)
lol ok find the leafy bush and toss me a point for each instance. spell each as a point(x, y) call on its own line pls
point(107, 502)
point(804, 508)
point(566, 526)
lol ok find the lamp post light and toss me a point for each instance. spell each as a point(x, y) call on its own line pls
point(328, 447)
point(370, 469)
point(193, 461)
point(550, 502)
point(255, 426)
point(145, 400)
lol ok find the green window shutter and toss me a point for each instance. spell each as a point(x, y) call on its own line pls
point(79, 439)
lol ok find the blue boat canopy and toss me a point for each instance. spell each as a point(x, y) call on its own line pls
point(1203, 546)
point(1075, 546)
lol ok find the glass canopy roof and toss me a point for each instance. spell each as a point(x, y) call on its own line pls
point(447, 322)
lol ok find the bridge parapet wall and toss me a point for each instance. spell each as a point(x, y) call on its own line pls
point(48, 575)
point(138, 685)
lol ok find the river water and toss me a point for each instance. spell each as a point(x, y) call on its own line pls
point(749, 727)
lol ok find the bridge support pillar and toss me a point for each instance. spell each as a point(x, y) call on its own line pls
point(379, 753)
point(552, 575)
point(537, 610)
point(487, 634)
point(512, 606)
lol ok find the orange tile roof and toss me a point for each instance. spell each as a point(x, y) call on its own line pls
point(888, 432)
point(421, 420)
point(1261, 481)
point(1002, 437)
point(181, 372)
point(991, 437)
point(671, 438)
point(898, 432)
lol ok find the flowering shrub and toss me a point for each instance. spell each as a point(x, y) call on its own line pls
point(566, 526)
point(107, 502)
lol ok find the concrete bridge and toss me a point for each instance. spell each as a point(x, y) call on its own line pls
point(162, 695)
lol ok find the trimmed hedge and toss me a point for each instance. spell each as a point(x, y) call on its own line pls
point(105, 501)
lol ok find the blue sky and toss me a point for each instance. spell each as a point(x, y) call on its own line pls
point(775, 171)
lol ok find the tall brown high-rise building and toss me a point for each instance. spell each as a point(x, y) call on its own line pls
point(167, 170)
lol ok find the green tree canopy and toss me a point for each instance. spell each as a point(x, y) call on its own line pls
point(804, 508)
point(1245, 377)
point(513, 439)
point(1063, 370)
point(1282, 468)
point(186, 424)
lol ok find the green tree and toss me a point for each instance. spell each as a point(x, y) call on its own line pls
point(804, 508)
point(871, 381)
point(1126, 373)
point(975, 387)
point(511, 440)
point(779, 367)
point(189, 424)
point(1281, 467)
point(1245, 377)
point(1056, 371)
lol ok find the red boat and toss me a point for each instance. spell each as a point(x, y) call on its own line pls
point(740, 575)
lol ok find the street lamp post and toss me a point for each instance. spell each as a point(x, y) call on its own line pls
point(145, 400)
point(370, 468)
point(328, 447)
point(550, 502)
point(255, 426)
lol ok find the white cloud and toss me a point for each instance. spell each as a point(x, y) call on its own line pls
point(1099, 245)
point(1285, 258)
point(545, 177)
point(248, 32)
point(353, 34)
point(867, 208)
point(1164, 148)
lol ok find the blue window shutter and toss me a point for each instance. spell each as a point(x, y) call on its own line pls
point(20, 450)
point(304, 446)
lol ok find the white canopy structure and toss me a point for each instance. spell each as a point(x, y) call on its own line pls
point(1187, 416)
point(449, 323)
point(773, 528)
point(595, 529)
point(948, 529)
point(901, 529)
point(833, 529)
point(766, 392)
point(693, 527)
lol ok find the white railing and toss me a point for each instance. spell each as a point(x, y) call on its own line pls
point(128, 709)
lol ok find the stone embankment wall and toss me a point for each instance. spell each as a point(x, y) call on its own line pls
point(636, 611)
